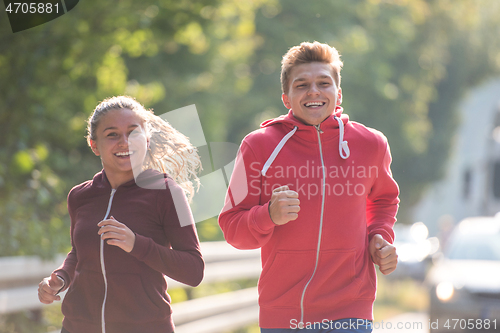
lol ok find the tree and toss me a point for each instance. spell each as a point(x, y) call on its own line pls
point(168, 54)
point(406, 66)
point(407, 63)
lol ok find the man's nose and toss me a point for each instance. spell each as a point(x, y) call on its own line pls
point(313, 89)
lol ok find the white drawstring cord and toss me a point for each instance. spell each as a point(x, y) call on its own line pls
point(103, 267)
point(343, 147)
point(277, 150)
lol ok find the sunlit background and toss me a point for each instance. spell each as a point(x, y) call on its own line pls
point(425, 73)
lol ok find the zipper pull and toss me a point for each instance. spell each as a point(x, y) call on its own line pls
point(318, 129)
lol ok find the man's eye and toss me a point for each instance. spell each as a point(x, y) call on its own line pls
point(111, 134)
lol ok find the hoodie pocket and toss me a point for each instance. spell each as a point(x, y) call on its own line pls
point(282, 282)
point(84, 297)
point(130, 300)
point(335, 280)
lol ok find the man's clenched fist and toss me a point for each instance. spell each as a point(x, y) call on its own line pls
point(383, 254)
point(284, 205)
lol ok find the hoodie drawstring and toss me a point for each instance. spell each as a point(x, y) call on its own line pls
point(344, 151)
point(343, 147)
point(277, 150)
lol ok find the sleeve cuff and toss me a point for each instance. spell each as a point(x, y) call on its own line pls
point(385, 235)
point(141, 247)
point(64, 283)
point(262, 218)
point(65, 277)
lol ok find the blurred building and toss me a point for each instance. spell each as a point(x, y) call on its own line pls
point(471, 186)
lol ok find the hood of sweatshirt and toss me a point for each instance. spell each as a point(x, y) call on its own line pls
point(331, 127)
point(290, 121)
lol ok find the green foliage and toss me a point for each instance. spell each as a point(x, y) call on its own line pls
point(167, 54)
point(395, 297)
point(209, 230)
point(22, 322)
point(407, 65)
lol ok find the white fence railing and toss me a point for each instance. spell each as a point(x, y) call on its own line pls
point(19, 278)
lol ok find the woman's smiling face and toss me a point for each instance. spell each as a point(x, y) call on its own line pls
point(121, 142)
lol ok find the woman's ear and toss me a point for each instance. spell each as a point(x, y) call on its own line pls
point(93, 146)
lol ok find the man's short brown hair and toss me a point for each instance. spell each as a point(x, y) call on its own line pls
point(306, 53)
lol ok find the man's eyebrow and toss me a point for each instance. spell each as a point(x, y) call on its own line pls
point(320, 77)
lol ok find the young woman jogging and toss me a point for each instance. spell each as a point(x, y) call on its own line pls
point(131, 226)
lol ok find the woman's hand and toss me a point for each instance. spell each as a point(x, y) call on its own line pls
point(117, 234)
point(48, 289)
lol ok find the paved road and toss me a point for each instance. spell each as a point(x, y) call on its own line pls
point(412, 322)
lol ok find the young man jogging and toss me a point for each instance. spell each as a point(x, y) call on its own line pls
point(315, 192)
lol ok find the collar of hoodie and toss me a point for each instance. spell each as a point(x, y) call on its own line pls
point(149, 179)
point(330, 128)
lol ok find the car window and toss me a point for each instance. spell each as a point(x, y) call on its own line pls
point(475, 247)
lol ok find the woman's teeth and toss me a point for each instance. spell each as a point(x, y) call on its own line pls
point(121, 154)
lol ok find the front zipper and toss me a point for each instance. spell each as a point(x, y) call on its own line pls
point(319, 131)
point(103, 266)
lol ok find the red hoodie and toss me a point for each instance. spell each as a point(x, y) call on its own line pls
point(111, 291)
point(318, 266)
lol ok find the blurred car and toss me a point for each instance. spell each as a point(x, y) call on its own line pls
point(465, 280)
point(414, 250)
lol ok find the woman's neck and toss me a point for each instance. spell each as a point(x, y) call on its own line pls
point(115, 180)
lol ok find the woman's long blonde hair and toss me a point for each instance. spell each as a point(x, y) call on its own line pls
point(169, 150)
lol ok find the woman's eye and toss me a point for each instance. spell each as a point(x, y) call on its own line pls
point(135, 133)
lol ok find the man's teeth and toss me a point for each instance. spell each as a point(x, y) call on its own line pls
point(315, 104)
point(128, 153)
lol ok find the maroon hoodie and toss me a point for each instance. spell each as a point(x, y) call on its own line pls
point(316, 268)
point(113, 291)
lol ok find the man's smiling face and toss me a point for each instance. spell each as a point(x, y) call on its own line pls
point(313, 94)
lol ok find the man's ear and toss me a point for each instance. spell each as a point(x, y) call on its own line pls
point(93, 146)
point(286, 102)
point(339, 96)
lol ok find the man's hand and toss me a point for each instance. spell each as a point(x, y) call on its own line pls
point(383, 254)
point(284, 205)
